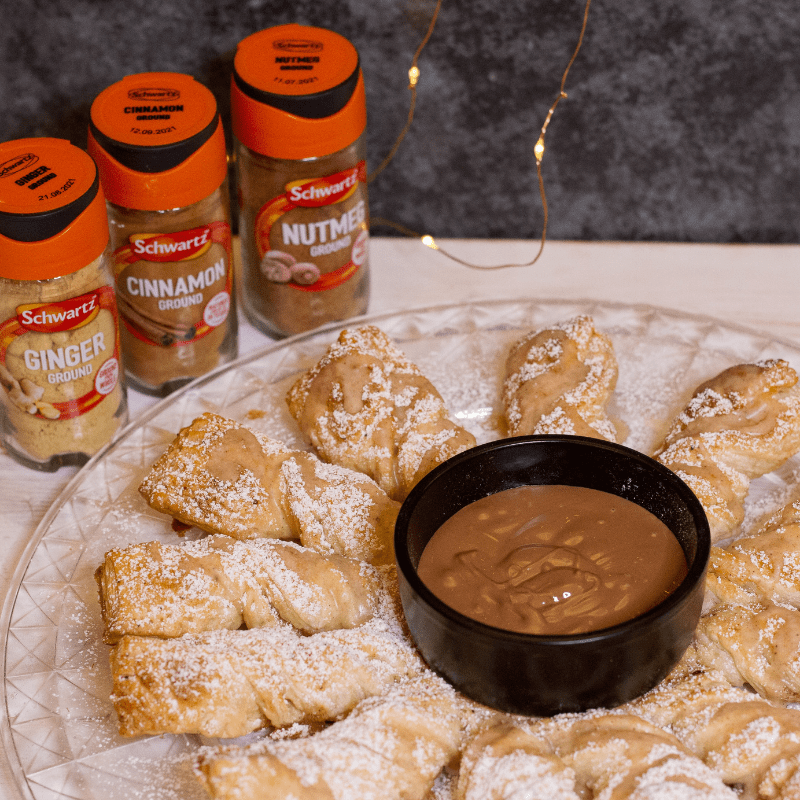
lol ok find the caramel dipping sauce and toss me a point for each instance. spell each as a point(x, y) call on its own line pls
point(552, 560)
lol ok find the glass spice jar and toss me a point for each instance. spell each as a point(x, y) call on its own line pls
point(299, 116)
point(62, 398)
point(158, 141)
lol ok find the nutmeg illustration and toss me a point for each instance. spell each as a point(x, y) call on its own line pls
point(276, 266)
point(305, 273)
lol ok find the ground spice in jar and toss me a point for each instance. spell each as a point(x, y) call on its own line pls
point(299, 114)
point(160, 147)
point(62, 398)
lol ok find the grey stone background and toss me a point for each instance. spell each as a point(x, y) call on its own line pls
point(682, 121)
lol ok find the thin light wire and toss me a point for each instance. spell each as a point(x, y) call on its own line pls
point(538, 150)
point(413, 79)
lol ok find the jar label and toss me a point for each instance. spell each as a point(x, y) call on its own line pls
point(175, 288)
point(314, 236)
point(59, 360)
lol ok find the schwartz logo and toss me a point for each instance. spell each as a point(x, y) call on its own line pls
point(17, 163)
point(154, 94)
point(297, 46)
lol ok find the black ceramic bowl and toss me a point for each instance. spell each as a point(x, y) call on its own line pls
point(544, 675)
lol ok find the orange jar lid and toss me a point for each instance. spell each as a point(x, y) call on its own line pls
point(53, 217)
point(297, 92)
point(158, 141)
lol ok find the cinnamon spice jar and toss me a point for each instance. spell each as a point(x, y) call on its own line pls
point(62, 397)
point(299, 117)
point(158, 141)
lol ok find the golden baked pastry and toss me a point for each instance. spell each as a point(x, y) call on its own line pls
point(366, 406)
point(690, 688)
point(754, 644)
point(229, 683)
point(388, 748)
point(154, 589)
point(506, 760)
point(560, 380)
point(752, 633)
point(741, 424)
point(752, 744)
point(600, 755)
point(764, 565)
point(222, 477)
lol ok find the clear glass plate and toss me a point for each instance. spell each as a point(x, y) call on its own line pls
point(60, 738)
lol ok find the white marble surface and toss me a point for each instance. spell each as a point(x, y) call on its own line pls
point(747, 285)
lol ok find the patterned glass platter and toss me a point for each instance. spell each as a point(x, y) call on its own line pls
point(60, 737)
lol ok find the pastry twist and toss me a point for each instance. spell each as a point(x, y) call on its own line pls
point(764, 566)
point(741, 424)
point(601, 755)
point(752, 635)
point(154, 589)
point(559, 380)
point(756, 644)
point(367, 407)
point(223, 478)
point(389, 748)
point(229, 683)
point(507, 761)
point(752, 744)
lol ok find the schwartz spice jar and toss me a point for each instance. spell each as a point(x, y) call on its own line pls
point(299, 115)
point(61, 398)
point(158, 141)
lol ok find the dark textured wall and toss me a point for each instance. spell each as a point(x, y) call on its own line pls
point(682, 120)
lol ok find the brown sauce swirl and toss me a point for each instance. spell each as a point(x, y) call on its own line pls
point(552, 560)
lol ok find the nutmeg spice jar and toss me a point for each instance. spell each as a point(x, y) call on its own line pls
point(299, 116)
point(62, 397)
point(158, 141)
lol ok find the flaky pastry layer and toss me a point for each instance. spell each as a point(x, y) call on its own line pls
point(224, 478)
point(560, 380)
point(366, 406)
point(155, 589)
point(741, 424)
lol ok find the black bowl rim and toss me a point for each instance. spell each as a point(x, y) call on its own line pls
point(694, 576)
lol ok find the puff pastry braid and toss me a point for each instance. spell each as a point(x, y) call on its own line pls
point(763, 566)
point(752, 634)
point(366, 406)
point(229, 683)
point(388, 748)
point(155, 589)
point(741, 424)
point(609, 756)
point(507, 760)
point(559, 380)
point(752, 744)
point(224, 478)
point(757, 644)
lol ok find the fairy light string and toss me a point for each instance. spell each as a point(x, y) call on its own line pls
point(413, 79)
point(414, 75)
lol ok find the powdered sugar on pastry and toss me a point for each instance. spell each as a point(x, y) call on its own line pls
point(229, 683)
point(388, 748)
point(154, 589)
point(757, 644)
point(559, 380)
point(506, 760)
point(613, 756)
point(366, 406)
point(224, 478)
point(741, 424)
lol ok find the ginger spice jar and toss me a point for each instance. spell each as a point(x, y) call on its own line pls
point(62, 398)
point(158, 141)
point(298, 109)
